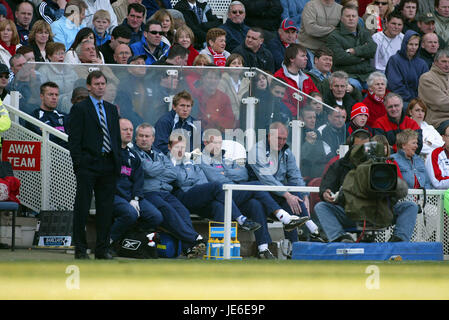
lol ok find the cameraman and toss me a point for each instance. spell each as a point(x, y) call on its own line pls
point(332, 215)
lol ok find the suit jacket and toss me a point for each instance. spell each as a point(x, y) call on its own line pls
point(86, 136)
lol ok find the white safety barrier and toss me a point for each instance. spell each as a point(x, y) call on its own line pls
point(432, 225)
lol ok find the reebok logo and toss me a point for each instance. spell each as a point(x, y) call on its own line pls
point(131, 244)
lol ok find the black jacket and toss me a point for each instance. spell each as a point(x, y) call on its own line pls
point(199, 28)
point(335, 175)
point(265, 14)
point(262, 59)
point(86, 136)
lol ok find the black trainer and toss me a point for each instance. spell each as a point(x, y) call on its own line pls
point(266, 254)
point(295, 222)
point(250, 225)
point(197, 250)
point(316, 237)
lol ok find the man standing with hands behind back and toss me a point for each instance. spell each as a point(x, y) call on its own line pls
point(94, 144)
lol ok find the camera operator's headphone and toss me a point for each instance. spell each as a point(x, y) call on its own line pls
point(352, 136)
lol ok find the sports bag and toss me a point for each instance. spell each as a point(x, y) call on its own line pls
point(138, 244)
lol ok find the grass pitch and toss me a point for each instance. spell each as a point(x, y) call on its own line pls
point(250, 279)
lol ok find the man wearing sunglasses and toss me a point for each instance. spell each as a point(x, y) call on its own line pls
point(151, 45)
point(234, 26)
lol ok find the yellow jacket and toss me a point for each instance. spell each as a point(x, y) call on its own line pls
point(5, 121)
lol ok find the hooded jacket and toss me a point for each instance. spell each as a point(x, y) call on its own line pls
point(403, 73)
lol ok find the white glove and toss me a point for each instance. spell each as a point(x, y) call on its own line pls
point(135, 205)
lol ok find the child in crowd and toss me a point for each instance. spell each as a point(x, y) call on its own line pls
point(359, 118)
point(101, 22)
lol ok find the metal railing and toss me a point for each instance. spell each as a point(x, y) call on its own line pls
point(439, 224)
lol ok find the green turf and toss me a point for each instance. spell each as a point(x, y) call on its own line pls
point(248, 279)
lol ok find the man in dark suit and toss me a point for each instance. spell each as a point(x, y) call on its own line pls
point(94, 144)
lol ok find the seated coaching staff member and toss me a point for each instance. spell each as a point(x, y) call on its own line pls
point(94, 144)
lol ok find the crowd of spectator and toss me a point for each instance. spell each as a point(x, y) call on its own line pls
point(382, 67)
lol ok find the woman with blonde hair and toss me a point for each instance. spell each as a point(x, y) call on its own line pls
point(40, 35)
point(167, 23)
point(9, 41)
point(417, 110)
point(185, 37)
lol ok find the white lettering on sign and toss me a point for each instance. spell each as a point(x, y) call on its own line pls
point(22, 162)
point(21, 149)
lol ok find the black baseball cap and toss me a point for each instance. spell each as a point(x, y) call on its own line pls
point(134, 58)
point(4, 68)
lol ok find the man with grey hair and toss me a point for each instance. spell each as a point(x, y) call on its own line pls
point(235, 26)
point(433, 89)
point(395, 121)
point(339, 95)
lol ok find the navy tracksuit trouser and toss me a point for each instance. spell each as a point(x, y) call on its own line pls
point(125, 216)
point(176, 216)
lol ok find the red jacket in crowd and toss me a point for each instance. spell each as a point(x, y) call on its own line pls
point(307, 87)
point(389, 128)
point(375, 106)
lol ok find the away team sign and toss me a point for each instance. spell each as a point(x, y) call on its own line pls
point(23, 155)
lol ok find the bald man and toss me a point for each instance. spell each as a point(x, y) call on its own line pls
point(122, 53)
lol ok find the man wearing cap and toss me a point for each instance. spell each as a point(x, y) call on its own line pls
point(437, 164)
point(433, 89)
point(254, 53)
point(319, 19)
point(358, 120)
point(286, 35)
point(3, 12)
point(442, 19)
point(151, 45)
point(132, 94)
point(235, 26)
point(426, 24)
point(4, 80)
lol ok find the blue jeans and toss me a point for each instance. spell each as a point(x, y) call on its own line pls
point(334, 220)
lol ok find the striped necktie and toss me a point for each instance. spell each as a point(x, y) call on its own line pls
point(104, 128)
